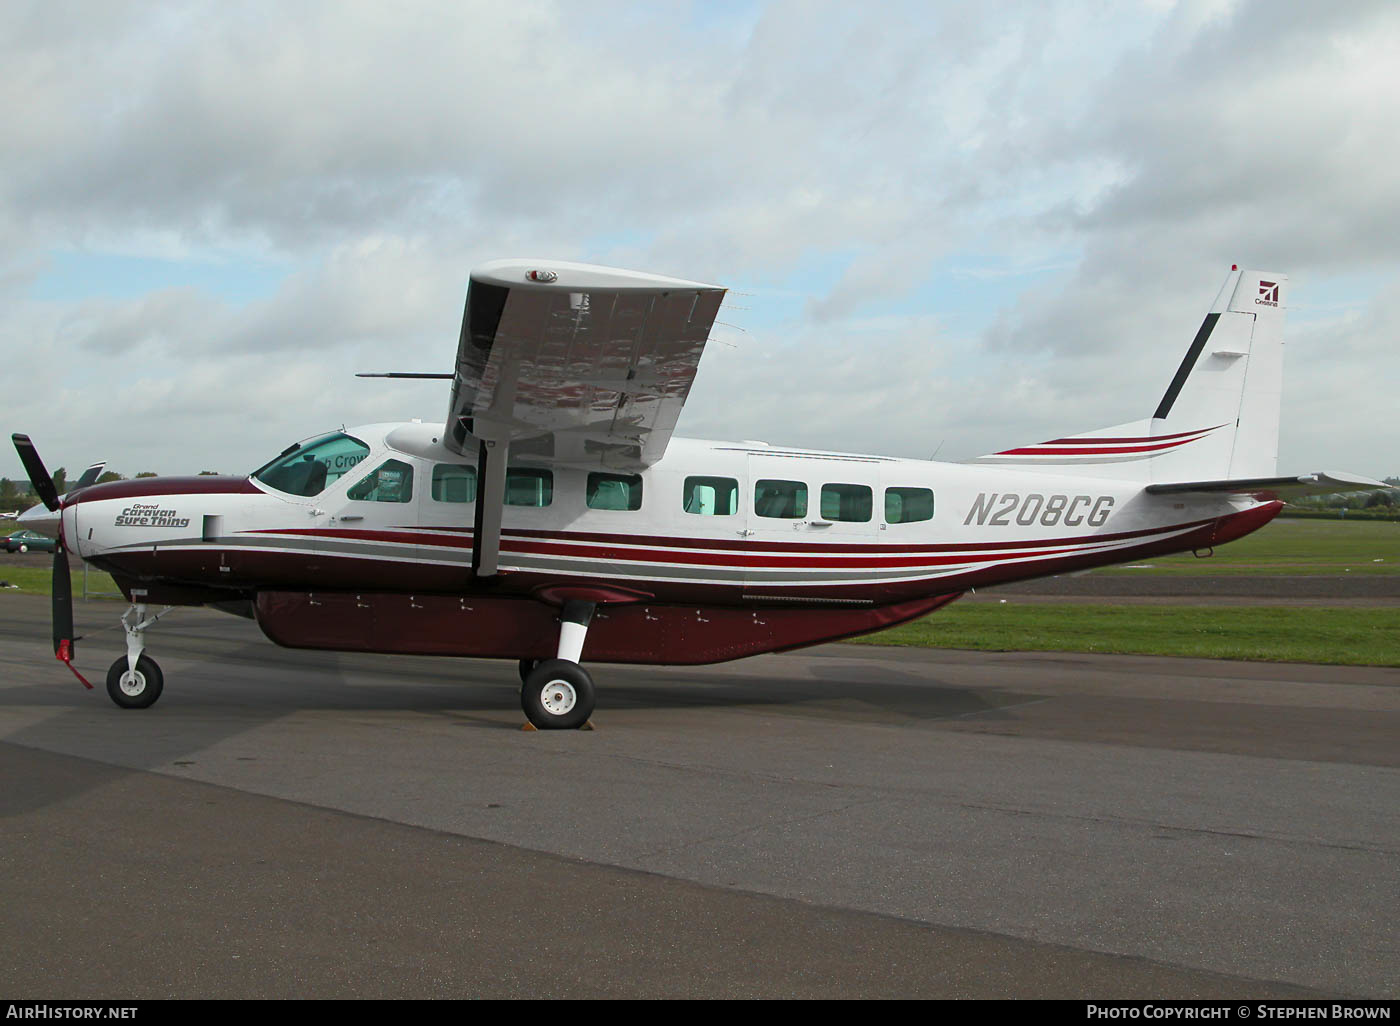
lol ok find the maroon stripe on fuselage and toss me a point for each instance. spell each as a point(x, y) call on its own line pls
point(1081, 440)
point(145, 487)
point(851, 562)
point(419, 536)
point(671, 557)
point(254, 570)
point(1093, 451)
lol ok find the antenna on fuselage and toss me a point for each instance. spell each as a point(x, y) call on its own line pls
point(407, 374)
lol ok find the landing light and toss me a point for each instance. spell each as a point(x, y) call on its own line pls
point(545, 277)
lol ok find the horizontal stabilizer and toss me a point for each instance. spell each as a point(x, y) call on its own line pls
point(1321, 483)
point(90, 475)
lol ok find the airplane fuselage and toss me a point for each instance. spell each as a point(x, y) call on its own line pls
point(723, 541)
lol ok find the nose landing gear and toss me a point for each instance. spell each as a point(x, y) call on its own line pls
point(135, 680)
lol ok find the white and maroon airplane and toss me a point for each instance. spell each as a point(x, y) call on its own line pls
point(553, 516)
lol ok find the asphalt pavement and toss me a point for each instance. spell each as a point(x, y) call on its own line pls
point(845, 821)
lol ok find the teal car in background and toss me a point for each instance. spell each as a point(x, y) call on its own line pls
point(29, 541)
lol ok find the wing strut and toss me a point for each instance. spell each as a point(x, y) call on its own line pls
point(490, 503)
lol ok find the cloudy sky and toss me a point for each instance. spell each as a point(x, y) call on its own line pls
point(949, 228)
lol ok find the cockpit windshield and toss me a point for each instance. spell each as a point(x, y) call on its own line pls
point(310, 468)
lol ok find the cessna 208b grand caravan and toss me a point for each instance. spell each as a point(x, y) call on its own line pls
point(553, 517)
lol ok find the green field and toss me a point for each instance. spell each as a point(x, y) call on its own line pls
point(1355, 637)
point(1287, 547)
point(38, 581)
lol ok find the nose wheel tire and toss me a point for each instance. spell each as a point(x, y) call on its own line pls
point(135, 689)
point(557, 695)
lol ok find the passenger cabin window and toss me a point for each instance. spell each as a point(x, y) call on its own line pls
point(615, 491)
point(526, 487)
point(908, 505)
point(780, 499)
point(850, 502)
point(391, 481)
point(453, 483)
point(711, 496)
point(311, 468)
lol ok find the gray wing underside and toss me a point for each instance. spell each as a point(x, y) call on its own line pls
point(590, 369)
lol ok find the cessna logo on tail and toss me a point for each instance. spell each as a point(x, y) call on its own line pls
point(1268, 293)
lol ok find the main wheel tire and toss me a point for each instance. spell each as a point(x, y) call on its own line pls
point(24, 548)
point(558, 695)
point(526, 665)
point(137, 690)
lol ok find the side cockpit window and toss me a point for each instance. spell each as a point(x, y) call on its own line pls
point(391, 481)
point(309, 469)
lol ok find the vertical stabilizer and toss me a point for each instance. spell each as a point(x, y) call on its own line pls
point(1219, 416)
point(1232, 376)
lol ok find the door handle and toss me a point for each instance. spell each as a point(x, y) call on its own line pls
point(352, 516)
point(819, 523)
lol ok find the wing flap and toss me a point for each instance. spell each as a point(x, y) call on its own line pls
point(1321, 483)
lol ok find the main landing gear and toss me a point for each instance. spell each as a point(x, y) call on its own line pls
point(135, 680)
point(558, 694)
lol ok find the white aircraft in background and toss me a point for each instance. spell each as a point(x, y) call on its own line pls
point(552, 516)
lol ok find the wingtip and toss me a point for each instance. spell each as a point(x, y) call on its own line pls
point(572, 276)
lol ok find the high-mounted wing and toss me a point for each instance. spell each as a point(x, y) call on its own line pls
point(576, 364)
point(570, 364)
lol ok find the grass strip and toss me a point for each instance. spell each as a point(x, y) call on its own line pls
point(1292, 547)
point(39, 581)
point(1350, 637)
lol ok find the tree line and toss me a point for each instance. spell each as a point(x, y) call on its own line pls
point(16, 495)
point(1387, 500)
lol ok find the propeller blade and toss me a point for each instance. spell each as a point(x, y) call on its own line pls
point(38, 474)
point(62, 605)
point(90, 475)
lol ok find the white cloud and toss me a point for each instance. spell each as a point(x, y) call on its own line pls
point(377, 152)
